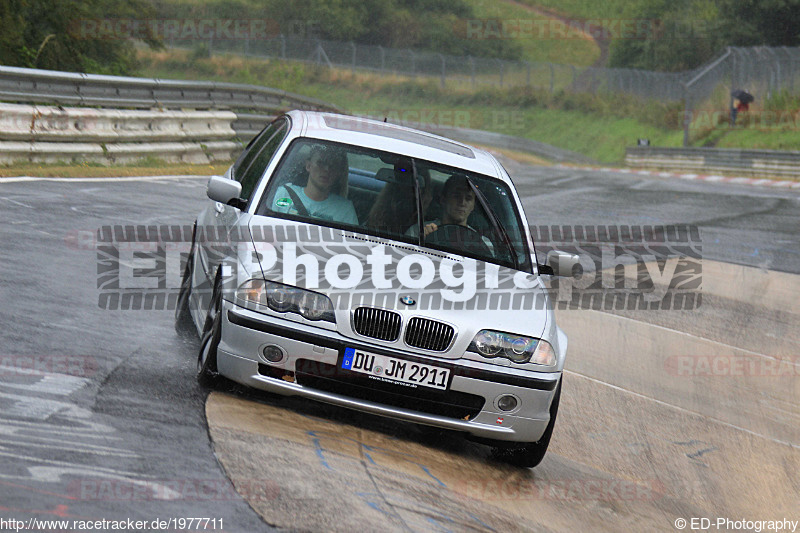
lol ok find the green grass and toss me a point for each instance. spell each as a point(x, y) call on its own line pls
point(598, 126)
point(96, 170)
point(603, 138)
point(758, 139)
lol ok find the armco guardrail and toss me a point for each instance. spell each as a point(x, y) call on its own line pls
point(253, 106)
point(86, 90)
point(52, 134)
point(767, 163)
point(142, 116)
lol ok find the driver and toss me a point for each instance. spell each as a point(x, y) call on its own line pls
point(458, 202)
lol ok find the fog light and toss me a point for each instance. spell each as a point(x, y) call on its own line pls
point(507, 403)
point(272, 353)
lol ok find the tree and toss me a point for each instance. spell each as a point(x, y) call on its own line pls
point(65, 34)
point(683, 34)
point(762, 22)
point(691, 32)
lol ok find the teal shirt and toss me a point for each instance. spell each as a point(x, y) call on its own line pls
point(334, 208)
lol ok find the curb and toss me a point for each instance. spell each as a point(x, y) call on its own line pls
point(756, 182)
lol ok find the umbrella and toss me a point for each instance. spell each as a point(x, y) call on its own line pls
point(743, 96)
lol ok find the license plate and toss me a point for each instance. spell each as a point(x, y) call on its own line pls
point(393, 370)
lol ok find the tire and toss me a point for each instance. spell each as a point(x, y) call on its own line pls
point(209, 342)
point(531, 454)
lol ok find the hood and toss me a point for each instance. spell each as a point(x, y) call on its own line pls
point(357, 270)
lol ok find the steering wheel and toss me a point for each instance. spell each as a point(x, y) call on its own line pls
point(461, 238)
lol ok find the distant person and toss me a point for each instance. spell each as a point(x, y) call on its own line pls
point(738, 106)
point(741, 103)
point(323, 196)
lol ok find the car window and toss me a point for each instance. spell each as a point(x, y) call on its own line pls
point(383, 194)
point(486, 224)
point(250, 166)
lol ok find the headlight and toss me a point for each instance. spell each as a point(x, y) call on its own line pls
point(488, 343)
point(516, 348)
point(313, 306)
point(280, 298)
point(287, 299)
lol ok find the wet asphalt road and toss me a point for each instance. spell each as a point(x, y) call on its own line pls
point(100, 416)
point(754, 226)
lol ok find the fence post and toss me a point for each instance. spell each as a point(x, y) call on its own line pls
point(687, 115)
point(734, 81)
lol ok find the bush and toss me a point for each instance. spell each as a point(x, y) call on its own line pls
point(200, 51)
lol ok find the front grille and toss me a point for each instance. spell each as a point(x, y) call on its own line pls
point(376, 323)
point(330, 378)
point(428, 334)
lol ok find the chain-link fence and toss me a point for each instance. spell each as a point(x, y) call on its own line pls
point(450, 70)
point(705, 91)
point(768, 68)
point(763, 72)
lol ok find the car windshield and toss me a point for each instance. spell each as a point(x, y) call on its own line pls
point(383, 194)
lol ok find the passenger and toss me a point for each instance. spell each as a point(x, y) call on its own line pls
point(395, 207)
point(323, 196)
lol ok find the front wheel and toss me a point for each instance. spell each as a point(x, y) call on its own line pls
point(209, 342)
point(531, 454)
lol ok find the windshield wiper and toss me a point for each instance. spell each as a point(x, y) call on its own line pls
point(498, 228)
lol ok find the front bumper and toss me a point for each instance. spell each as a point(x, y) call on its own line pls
point(312, 369)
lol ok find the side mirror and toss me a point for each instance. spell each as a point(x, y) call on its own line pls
point(562, 263)
point(223, 190)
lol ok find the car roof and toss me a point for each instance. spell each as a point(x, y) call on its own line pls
point(395, 139)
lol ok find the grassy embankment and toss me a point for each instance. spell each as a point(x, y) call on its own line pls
point(600, 127)
point(521, 24)
point(149, 167)
point(596, 126)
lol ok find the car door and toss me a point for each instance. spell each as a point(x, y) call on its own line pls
point(224, 226)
